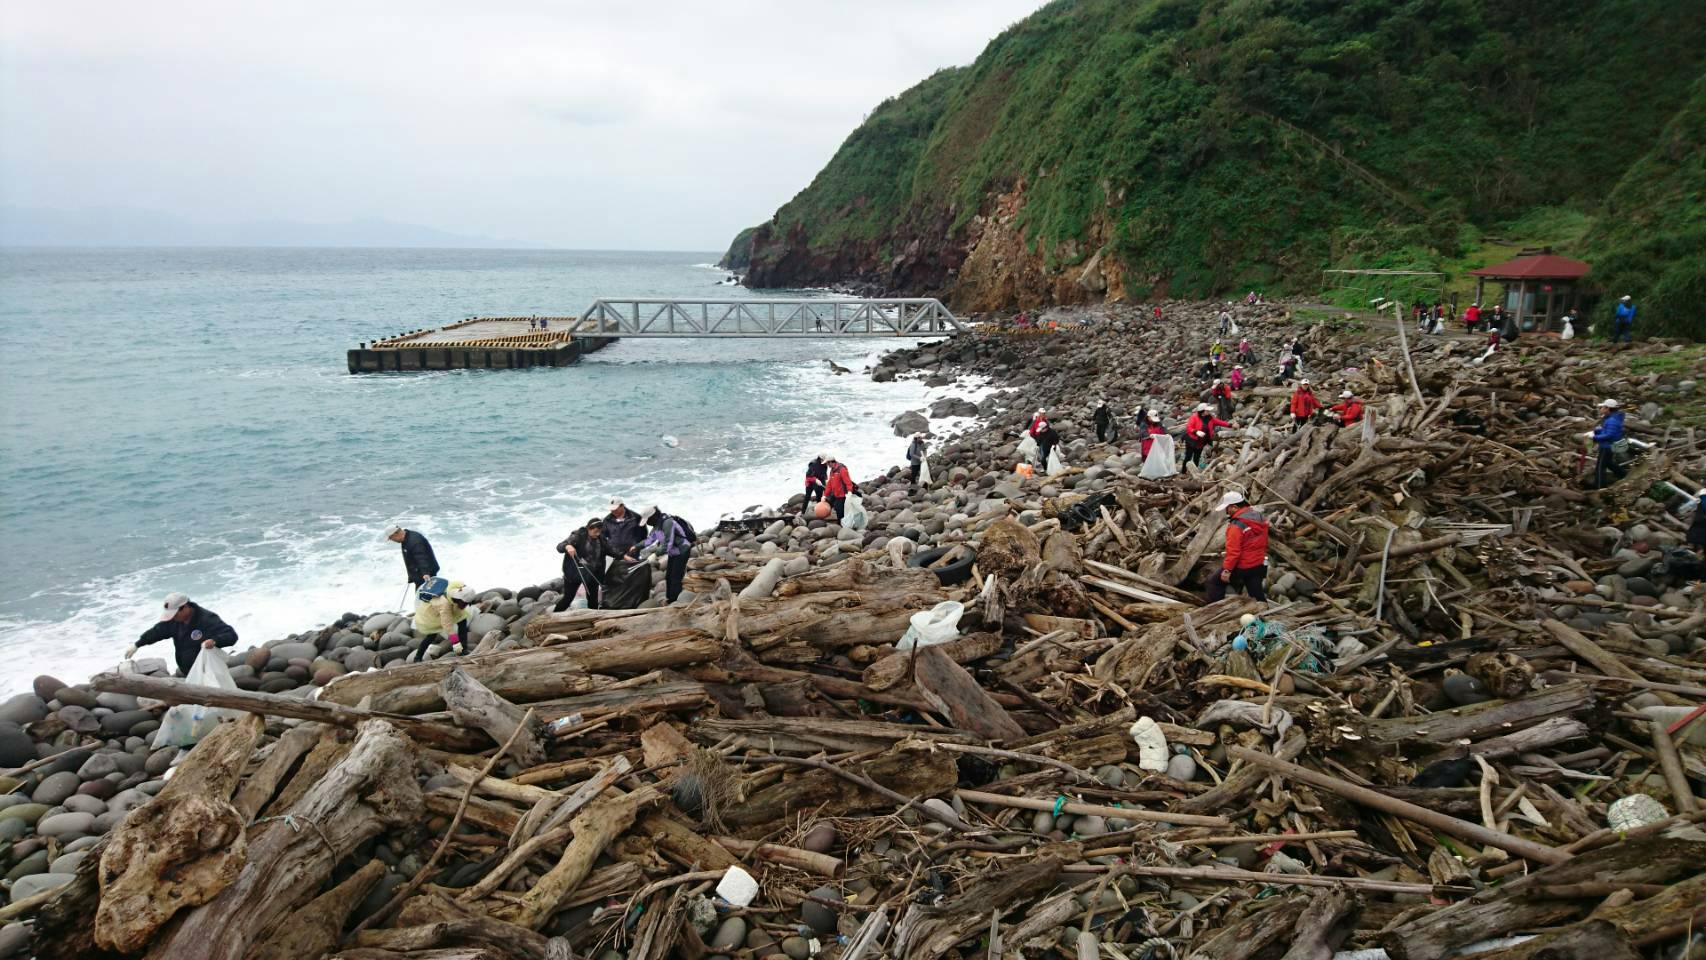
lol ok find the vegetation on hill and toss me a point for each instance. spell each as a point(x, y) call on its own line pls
point(1206, 147)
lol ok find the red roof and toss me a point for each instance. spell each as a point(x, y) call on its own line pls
point(1541, 267)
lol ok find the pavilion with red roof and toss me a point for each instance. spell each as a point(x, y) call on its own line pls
point(1538, 288)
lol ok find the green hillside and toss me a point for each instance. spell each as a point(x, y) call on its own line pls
point(1206, 147)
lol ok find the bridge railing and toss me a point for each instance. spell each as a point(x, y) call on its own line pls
point(645, 317)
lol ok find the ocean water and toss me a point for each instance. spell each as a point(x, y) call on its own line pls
point(182, 419)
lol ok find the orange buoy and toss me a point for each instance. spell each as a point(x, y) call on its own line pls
point(1023, 469)
point(821, 510)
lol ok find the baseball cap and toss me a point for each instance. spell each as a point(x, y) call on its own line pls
point(615, 502)
point(465, 594)
point(647, 513)
point(174, 603)
point(392, 531)
point(1229, 498)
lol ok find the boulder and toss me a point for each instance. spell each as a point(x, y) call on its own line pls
point(16, 747)
point(45, 686)
point(294, 651)
point(909, 423)
point(23, 708)
point(54, 789)
point(76, 697)
point(61, 824)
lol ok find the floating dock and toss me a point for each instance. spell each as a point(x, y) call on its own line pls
point(478, 343)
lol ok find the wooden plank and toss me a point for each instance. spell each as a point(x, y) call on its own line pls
point(959, 697)
point(1132, 592)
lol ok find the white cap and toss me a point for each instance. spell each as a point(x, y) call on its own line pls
point(1218, 380)
point(616, 502)
point(1155, 415)
point(1041, 411)
point(1345, 394)
point(647, 513)
point(1613, 404)
point(465, 594)
point(918, 436)
point(1303, 383)
point(1229, 498)
point(174, 603)
point(1204, 406)
point(392, 531)
point(825, 457)
point(1626, 297)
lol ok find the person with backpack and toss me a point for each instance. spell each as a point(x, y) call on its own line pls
point(1199, 433)
point(671, 540)
point(1103, 417)
point(440, 607)
point(1608, 436)
point(583, 564)
point(817, 471)
point(1245, 562)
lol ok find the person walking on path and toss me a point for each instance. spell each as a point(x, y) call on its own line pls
point(838, 486)
point(1471, 317)
point(583, 564)
point(622, 530)
point(1623, 321)
point(816, 472)
point(1199, 433)
point(1348, 411)
point(1245, 562)
point(1608, 436)
point(440, 607)
point(1104, 420)
point(419, 563)
point(1304, 405)
point(915, 452)
point(671, 543)
point(191, 627)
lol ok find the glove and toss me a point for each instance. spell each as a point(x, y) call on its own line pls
point(131, 652)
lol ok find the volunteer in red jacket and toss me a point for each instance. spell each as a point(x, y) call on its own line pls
point(1149, 427)
point(1304, 404)
point(1199, 432)
point(1348, 411)
point(838, 485)
point(1246, 563)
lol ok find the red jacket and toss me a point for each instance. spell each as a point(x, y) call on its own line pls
point(1038, 425)
point(1220, 392)
point(1246, 539)
point(1304, 403)
point(1349, 411)
point(840, 482)
point(1200, 427)
point(1150, 432)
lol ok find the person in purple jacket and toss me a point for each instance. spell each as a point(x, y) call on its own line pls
point(673, 541)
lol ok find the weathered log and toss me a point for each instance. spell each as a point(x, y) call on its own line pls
point(929, 932)
point(821, 864)
point(1242, 780)
point(472, 930)
point(594, 828)
point(180, 849)
point(893, 669)
point(913, 770)
point(684, 844)
point(959, 698)
point(1590, 940)
point(315, 929)
point(286, 750)
point(814, 734)
point(371, 789)
point(1494, 716)
point(474, 705)
point(1310, 939)
point(1244, 939)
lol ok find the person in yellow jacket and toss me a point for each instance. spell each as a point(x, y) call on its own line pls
point(441, 606)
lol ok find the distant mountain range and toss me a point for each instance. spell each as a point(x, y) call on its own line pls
point(133, 227)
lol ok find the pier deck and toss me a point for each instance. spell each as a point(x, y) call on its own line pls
point(477, 343)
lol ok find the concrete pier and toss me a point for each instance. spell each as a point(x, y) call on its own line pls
point(478, 343)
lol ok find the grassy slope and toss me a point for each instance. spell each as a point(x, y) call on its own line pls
point(1215, 136)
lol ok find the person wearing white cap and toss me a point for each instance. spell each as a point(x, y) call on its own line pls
point(1222, 395)
point(1199, 433)
point(191, 629)
point(915, 452)
point(1348, 411)
point(419, 563)
point(1043, 433)
point(1623, 329)
point(1245, 560)
point(1103, 418)
point(1304, 405)
point(1608, 436)
point(441, 605)
point(671, 542)
point(817, 473)
point(622, 529)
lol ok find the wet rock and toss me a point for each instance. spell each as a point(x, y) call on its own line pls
point(730, 935)
point(54, 789)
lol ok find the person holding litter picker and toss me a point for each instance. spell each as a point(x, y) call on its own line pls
point(583, 561)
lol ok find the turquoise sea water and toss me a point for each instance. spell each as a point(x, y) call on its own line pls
point(181, 419)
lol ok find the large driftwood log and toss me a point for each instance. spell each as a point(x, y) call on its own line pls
point(512, 940)
point(474, 705)
point(182, 848)
point(893, 668)
point(817, 734)
point(912, 770)
point(372, 788)
point(594, 828)
point(286, 750)
point(959, 697)
point(1238, 941)
point(1310, 941)
point(314, 930)
point(1494, 716)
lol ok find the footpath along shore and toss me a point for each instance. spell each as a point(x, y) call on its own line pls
point(1463, 714)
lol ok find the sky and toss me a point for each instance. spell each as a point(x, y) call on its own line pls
point(655, 125)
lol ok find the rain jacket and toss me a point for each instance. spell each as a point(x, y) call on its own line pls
point(1246, 539)
point(816, 470)
point(418, 560)
point(1103, 417)
point(669, 539)
point(915, 451)
point(1199, 429)
point(840, 482)
point(1236, 379)
point(1610, 430)
point(621, 534)
point(589, 550)
point(440, 614)
point(1350, 411)
point(186, 637)
point(1151, 430)
point(1625, 314)
point(1304, 403)
point(1038, 425)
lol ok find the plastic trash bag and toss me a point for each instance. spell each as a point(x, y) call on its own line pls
point(1054, 464)
point(855, 517)
point(1159, 463)
point(924, 472)
point(187, 723)
point(1569, 331)
point(1028, 448)
point(939, 624)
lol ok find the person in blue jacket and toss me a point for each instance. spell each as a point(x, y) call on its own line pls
point(1623, 326)
point(191, 628)
point(1607, 434)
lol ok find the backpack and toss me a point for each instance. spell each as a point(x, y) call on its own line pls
point(432, 588)
point(687, 530)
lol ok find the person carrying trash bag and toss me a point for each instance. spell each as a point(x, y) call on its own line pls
point(1157, 449)
point(191, 628)
point(837, 486)
point(583, 564)
point(915, 458)
point(440, 607)
point(1199, 433)
point(670, 542)
point(1245, 562)
point(1613, 446)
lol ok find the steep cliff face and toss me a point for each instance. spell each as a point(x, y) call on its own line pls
point(1128, 148)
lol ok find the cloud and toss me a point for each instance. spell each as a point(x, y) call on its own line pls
point(664, 124)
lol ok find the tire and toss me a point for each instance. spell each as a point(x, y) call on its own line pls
point(957, 572)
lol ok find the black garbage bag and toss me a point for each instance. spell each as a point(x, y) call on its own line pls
point(627, 584)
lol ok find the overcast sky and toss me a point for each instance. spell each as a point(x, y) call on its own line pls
point(657, 124)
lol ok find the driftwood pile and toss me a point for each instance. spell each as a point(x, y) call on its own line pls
point(1423, 742)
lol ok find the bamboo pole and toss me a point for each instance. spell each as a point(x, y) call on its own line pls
point(1092, 809)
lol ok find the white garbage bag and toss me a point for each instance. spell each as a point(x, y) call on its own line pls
point(1569, 330)
point(1159, 463)
point(939, 624)
point(1028, 448)
point(924, 472)
point(1151, 744)
point(1054, 464)
point(187, 723)
point(855, 517)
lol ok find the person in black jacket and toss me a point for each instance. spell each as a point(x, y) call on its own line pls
point(817, 474)
point(191, 629)
point(583, 564)
point(622, 529)
point(418, 560)
point(1104, 420)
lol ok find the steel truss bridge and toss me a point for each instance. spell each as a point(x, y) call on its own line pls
point(895, 317)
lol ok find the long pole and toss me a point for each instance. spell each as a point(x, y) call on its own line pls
point(1404, 341)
